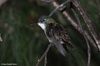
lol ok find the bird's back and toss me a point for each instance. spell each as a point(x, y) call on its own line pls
point(57, 34)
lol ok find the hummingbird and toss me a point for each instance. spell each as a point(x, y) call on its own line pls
point(56, 34)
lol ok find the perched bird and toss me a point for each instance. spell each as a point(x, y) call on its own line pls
point(56, 34)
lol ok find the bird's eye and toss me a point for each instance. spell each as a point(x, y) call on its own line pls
point(44, 20)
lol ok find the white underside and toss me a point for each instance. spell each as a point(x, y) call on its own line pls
point(43, 26)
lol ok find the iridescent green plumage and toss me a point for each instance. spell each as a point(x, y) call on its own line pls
point(56, 34)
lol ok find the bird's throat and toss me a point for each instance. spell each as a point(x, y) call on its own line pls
point(43, 26)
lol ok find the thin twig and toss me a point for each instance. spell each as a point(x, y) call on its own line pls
point(47, 0)
point(88, 22)
point(44, 54)
point(0, 38)
point(89, 54)
point(45, 60)
point(98, 5)
point(89, 51)
point(61, 7)
point(97, 1)
point(2, 2)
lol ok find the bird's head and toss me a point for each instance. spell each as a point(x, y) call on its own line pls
point(44, 21)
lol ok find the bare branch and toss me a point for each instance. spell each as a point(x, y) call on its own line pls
point(89, 51)
point(44, 55)
point(2, 1)
point(98, 5)
point(88, 46)
point(0, 38)
point(47, 0)
point(45, 60)
point(97, 1)
point(60, 7)
point(88, 22)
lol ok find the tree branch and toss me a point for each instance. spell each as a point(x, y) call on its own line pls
point(45, 60)
point(60, 7)
point(0, 38)
point(88, 22)
point(2, 1)
point(88, 46)
point(44, 55)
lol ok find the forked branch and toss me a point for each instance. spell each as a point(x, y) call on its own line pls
point(88, 22)
point(44, 56)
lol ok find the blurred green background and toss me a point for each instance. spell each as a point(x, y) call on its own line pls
point(24, 41)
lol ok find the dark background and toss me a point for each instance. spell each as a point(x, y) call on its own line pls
point(24, 41)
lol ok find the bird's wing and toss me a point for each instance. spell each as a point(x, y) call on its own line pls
point(59, 37)
point(63, 35)
point(50, 32)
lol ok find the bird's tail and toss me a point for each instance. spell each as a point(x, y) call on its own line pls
point(61, 49)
